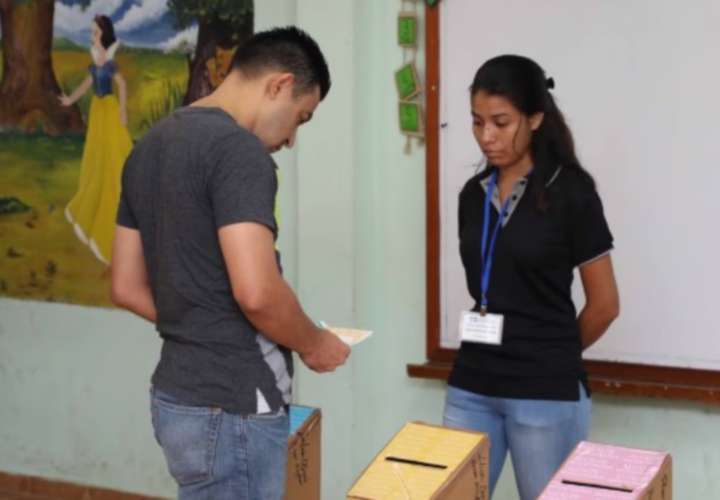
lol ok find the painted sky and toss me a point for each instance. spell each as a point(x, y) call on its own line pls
point(138, 23)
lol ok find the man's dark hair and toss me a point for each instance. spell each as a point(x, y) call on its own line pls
point(287, 49)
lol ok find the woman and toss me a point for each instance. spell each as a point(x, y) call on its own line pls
point(107, 144)
point(525, 222)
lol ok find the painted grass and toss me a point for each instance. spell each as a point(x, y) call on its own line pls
point(155, 81)
point(40, 256)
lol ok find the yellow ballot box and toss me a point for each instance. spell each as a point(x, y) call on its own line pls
point(424, 462)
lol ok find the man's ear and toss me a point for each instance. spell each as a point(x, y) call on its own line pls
point(278, 83)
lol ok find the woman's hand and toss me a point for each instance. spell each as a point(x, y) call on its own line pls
point(79, 92)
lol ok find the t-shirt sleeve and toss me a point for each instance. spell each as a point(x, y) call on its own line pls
point(125, 215)
point(591, 236)
point(243, 185)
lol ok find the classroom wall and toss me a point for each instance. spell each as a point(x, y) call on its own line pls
point(74, 380)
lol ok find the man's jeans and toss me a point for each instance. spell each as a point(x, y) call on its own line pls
point(214, 455)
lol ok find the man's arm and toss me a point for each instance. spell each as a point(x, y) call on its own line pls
point(130, 285)
point(267, 300)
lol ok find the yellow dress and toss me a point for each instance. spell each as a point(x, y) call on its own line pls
point(93, 209)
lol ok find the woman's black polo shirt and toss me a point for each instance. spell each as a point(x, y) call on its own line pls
point(530, 284)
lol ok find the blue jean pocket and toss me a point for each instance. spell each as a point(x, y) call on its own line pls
point(188, 437)
point(275, 427)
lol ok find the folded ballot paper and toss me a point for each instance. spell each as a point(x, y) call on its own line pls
point(351, 336)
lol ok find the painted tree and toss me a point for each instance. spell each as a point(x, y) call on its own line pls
point(222, 25)
point(28, 89)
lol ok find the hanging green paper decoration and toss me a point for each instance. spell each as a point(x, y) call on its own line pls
point(407, 29)
point(407, 82)
point(411, 119)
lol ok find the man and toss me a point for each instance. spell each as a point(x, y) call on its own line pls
point(194, 252)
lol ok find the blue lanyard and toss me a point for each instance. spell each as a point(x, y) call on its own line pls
point(487, 253)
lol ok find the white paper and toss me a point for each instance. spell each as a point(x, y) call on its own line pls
point(350, 336)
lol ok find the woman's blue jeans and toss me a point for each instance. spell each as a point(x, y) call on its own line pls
point(539, 434)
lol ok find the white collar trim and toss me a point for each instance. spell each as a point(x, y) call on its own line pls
point(109, 53)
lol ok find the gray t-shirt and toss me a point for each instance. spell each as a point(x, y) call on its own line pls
point(193, 173)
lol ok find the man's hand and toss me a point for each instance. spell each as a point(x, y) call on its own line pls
point(327, 353)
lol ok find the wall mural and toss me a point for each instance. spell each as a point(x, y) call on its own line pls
point(81, 81)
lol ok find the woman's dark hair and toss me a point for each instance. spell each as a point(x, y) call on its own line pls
point(107, 38)
point(523, 82)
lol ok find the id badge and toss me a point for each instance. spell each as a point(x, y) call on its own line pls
point(482, 329)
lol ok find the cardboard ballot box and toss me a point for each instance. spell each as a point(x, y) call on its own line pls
point(424, 462)
point(303, 469)
point(604, 472)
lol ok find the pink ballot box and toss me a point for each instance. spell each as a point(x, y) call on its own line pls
point(604, 472)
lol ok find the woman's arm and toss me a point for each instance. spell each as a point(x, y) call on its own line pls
point(602, 301)
point(122, 95)
point(79, 92)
